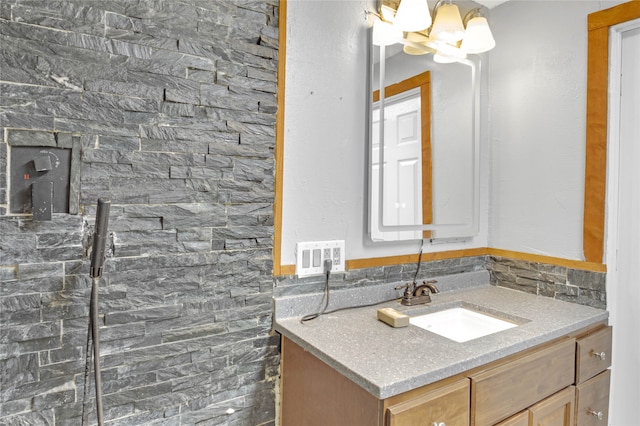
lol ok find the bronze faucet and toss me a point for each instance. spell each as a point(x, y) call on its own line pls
point(418, 294)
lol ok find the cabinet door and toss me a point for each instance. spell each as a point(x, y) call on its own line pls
point(557, 410)
point(592, 401)
point(520, 419)
point(448, 405)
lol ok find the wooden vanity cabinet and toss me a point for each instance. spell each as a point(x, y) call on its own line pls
point(554, 384)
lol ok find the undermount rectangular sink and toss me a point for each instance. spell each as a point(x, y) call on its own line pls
point(460, 324)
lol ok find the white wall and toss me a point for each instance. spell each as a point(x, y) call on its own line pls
point(532, 128)
point(537, 92)
point(325, 184)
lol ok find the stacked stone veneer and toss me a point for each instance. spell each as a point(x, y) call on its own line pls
point(173, 105)
point(560, 282)
point(292, 285)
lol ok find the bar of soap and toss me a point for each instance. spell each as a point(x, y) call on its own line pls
point(392, 317)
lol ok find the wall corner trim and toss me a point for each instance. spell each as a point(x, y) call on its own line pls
point(597, 116)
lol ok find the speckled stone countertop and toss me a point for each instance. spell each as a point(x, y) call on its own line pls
point(387, 361)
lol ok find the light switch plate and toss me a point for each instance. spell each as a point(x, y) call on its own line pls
point(310, 257)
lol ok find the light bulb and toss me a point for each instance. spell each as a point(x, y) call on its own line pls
point(478, 37)
point(447, 26)
point(413, 15)
point(385, 34)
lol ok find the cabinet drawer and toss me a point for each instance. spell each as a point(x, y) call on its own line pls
point(592, 401)
point(593, 354)
point(503, 391)
point(449, 404)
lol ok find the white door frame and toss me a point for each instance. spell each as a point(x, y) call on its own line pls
point(613, 165)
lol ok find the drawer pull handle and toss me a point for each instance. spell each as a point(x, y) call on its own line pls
point(600, 355)
point(438, 424)
point(597, 414)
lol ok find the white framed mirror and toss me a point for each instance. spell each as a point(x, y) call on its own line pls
point(424, 145)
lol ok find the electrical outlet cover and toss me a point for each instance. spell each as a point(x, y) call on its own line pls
point(333, 250)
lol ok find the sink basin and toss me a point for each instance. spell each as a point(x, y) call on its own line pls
point(460, 324)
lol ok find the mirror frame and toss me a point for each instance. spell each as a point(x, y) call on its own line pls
point(464, 229)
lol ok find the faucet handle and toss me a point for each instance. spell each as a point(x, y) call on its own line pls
point(408, 289)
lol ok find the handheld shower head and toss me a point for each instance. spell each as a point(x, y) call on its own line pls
point(100, 237)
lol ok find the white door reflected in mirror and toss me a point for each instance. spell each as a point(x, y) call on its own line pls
point(402, 194)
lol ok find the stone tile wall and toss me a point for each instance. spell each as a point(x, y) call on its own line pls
point(559, 282)
point(173, 104)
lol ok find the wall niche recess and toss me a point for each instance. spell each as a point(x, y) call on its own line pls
point(44, 173)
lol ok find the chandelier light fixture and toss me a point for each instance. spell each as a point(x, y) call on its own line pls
point(448, 36)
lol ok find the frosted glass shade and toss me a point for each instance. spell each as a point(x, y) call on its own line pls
point(447, 26)
point(410, 50)
point(443, 59)
point(385, 34)
point(413, 15)
point(447, 54)
point(478, 37)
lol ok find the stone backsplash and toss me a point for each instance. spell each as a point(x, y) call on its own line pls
point(573, 285)
point(559, 282)
point(292, 285)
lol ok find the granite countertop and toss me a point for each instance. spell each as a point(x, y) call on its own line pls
point(387, 361)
